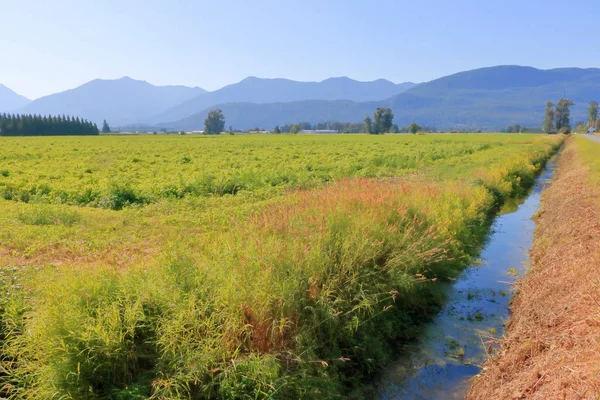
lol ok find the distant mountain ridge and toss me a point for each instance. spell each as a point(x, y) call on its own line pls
point(487, 98)
point(9, 100)
point(127, 101)
point(494, 97)
point(119, 101)
point(262, 91)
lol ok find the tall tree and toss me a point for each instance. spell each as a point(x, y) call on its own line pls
point(276, 129)
point(368, 125)
point(414, 128)
point(593, 113)
point(562, 114)
point(548, 124)
point(295, 128)
point(214, 122)
point(382, 120)
point(105, 127)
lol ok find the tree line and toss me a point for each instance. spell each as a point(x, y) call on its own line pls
point(345, 127)
point(342, 127)
point(557, 118)
point(521, 129)
point(37, 125)
point(382, 122)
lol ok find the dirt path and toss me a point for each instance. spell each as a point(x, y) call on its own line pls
point(552, 346)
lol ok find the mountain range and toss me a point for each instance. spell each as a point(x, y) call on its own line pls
point(487, 98)
point(127, 101)
point(262, 91)
point(119, 101)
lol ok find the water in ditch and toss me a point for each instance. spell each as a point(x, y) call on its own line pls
point(451, 349)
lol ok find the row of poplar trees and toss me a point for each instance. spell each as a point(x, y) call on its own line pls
point(558, 117)
point(37, 125)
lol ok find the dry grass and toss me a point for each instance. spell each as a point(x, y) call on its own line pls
point(552, 346)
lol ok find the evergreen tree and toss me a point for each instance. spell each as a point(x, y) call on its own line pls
point(37, 125)
point(105, 127)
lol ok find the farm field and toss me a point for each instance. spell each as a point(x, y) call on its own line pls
point(239, 266)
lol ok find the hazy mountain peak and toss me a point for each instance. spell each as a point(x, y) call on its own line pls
point(486, 98)
point(381, 80)
point(339, 79)
point(271, 90)
point(9, 100)
point(119, 101)
point(252, 78)
point(503, 77)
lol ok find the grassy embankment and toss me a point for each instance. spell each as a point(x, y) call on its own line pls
point(551, 349)
point(187, 268)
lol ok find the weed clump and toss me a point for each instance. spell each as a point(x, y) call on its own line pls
point(49, 215)
point(120, 196)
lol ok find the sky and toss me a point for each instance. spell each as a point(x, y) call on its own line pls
point(52, 46)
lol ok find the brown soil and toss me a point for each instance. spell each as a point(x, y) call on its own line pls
point(551, 349)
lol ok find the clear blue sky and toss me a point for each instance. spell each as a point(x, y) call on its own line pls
point(50, 46)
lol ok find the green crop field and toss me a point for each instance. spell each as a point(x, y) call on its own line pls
point(235, 267)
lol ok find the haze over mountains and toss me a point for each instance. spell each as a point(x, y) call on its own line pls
point(259, 91)
point(127, 101)
point(487, 98)
point(120, 101)
point(10, 100)
point(492, 98)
